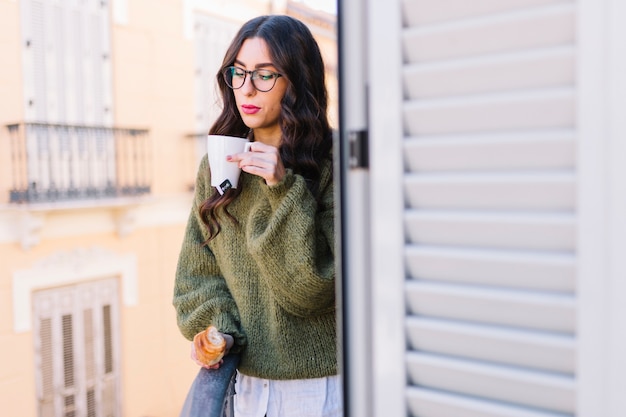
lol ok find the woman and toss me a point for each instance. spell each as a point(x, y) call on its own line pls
point(258, 262)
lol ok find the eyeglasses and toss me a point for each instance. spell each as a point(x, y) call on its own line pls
point(262, 79)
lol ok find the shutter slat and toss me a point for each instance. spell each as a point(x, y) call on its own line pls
point(503, 268)
point(527, 310)
point(542, 68)
point(541, 390)
point(532, 191)
point(422, 12)
point(546, 108)
point(541, 231)
point(515, 347)
point(426, 402)
point(506, 151)
point(541, 27)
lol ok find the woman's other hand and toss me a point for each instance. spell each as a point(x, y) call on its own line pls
point(262, 160)
point(229, 344)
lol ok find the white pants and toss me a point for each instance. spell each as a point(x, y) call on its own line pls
point(316, 397)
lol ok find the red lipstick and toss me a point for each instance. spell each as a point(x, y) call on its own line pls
point(249, 108)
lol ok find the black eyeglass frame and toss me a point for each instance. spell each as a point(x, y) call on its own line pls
point(230, 69)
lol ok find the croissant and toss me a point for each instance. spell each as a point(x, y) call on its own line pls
point(210, 346)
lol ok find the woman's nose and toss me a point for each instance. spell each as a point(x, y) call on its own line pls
point(247, 87)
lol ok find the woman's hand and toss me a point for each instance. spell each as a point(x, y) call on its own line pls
point(262, 160)
point(229, 343)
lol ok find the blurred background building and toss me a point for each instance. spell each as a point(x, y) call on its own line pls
point(104, 107)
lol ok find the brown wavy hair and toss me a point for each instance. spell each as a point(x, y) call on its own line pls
point(306, 134)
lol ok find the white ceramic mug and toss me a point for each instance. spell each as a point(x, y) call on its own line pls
point(224, 174)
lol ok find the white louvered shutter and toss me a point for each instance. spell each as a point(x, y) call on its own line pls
point(489, 149)
point(212, 36)
point(68, 81)
point(67, 61)
point(211, 39)
point(76, 334)
point(488, 158)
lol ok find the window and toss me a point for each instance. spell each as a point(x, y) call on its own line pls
point(76, 334)
point(67, 147)
point(211, 39)
point(212, 36)
point(67, 62)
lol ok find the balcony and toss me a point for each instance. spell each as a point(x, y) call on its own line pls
point(55, 168)
point(53, 163)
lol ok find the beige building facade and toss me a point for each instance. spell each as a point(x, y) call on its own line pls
point(103, 110)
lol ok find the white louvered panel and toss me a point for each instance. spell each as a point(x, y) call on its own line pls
point(538, 27)
point(514, 308)
point(108, 346)
point(490, 189)
point(46, 355)
point(540, 390)
point(29, 56)
point(82, 343)
point(525, 191)
point(502, 268)
point(56, 162)
point(421, 12)
point(58, 77)
point(46, 341)
point(38, 103)
point(513, 150)
point(87, 300)
point(110, 161)
point(201, 76)
point(515, 347)
point(93, 67)
point(71, 85)
point(536, 109)
point(53, 60)
point(541, 231)
point(67, 62)
point(424, 402)
point(537, 68)
point(87, 63)
point(79, 81)
point(106, 70)
point(212, 37)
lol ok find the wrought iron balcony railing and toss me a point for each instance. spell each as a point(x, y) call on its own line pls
point(59, 162)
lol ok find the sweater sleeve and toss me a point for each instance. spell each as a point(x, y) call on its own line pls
point(294, 245)
point(201, 296)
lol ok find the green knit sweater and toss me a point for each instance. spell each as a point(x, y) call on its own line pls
point(268, 281)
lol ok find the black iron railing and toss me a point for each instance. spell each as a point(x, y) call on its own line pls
point(60, 162)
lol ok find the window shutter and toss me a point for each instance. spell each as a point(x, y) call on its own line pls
point(76, 350)
point(67, 62)
point(211, 39)
point(35, 44)
point(46, 388)
point(67, 81)
point(489, 149)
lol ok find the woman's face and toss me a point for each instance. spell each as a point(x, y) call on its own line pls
point(259, 110)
